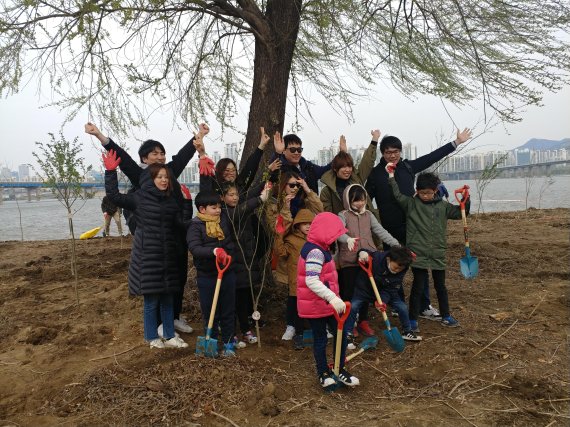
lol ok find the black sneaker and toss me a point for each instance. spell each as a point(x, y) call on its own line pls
point(411, 336)
point(347, 379)
point(298, 342)
point(327, 381)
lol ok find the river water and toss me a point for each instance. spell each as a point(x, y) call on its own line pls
point(46, 219)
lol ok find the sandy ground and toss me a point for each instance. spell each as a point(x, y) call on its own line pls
point(63, 364)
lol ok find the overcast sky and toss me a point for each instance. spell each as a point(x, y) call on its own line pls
point(422, 121)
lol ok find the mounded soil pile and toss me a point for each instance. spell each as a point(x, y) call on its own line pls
point(507, 364)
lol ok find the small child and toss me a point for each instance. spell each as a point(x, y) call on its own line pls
point(289, 248)
point(361, 224)
point(246, 262)
point(426, 235)
point(210, 236)
point(388, 270)
point(317, 294)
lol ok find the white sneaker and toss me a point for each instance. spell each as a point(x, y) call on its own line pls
point(175, 342)
point(239, 344)
point(350, 346)
point(156, 343)
point(181, 325)
point(160, 331)
point(431, 313)
point(289, 333)
point(329, 335)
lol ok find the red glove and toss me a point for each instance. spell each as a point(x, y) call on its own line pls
point(390, 168)
point(221, 255)
point(380, 307)
point(206, 166)
point(185, 192)
point(413, 255)
point(279, 226)
point(110, 160)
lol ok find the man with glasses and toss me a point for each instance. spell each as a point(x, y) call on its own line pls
point(392, 217)
point(289, 149)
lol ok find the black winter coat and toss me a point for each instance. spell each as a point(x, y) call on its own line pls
point(382, 276)
point(133, 171)
point(247, 235)
point(154, 266)
point(392, 216)
point(202, 246)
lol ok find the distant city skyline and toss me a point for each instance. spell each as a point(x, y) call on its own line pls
point(456, 162)
point(424, 121)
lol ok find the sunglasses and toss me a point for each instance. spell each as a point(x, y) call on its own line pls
point(296, 185)
point(295, 150)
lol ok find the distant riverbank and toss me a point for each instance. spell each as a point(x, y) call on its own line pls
point(47, 220)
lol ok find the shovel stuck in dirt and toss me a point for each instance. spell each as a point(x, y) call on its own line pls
point(469, 265)
point(206, 345)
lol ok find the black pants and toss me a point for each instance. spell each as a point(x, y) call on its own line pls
point(293, 318)
point(319, 327)
point(420, 277)
point(348, 277)
point(244, 308)
point(225, 310)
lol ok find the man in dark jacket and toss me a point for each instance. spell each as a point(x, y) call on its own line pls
point(392, 216)
point(150, 152)
point(289, 149)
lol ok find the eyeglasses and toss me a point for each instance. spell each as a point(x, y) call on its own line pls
point(391, 152)
point(229, 169)
point(426, 193)
point(293, 185)
point(295, 150)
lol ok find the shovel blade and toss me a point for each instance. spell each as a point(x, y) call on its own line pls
point(395, 340)
point(368, 343)
point(207, 347)
point(308, 338)
point(469, 267)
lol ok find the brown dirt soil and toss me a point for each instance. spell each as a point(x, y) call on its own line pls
point(88, 365)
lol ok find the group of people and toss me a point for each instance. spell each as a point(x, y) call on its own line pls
point(318, 242)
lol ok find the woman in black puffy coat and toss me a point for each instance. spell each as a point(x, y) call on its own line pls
point(153, 270)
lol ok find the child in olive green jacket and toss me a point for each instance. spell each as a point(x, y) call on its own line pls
point(426, 235)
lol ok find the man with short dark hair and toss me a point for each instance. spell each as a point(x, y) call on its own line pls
point(289, 149)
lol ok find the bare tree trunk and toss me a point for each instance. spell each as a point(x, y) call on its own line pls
point(73, 256)
point(271, 68)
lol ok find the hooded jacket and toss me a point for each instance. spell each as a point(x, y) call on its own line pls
point(154, 266)
point(362, 225)
point(426, 224)
point(289, 247)
point(313, 300)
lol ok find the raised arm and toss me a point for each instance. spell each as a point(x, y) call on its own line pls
point(247, 174)
point(129, 166)
point(404, 201)
point(369, 157)
point(424, 162)
point(180, 160)
point(111, 161)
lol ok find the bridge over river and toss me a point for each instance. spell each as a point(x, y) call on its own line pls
point(519, 171)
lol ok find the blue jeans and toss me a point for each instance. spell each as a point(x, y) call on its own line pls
point(226, 307)
point(319, 327)
point(152, 303)
point(389, 296)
